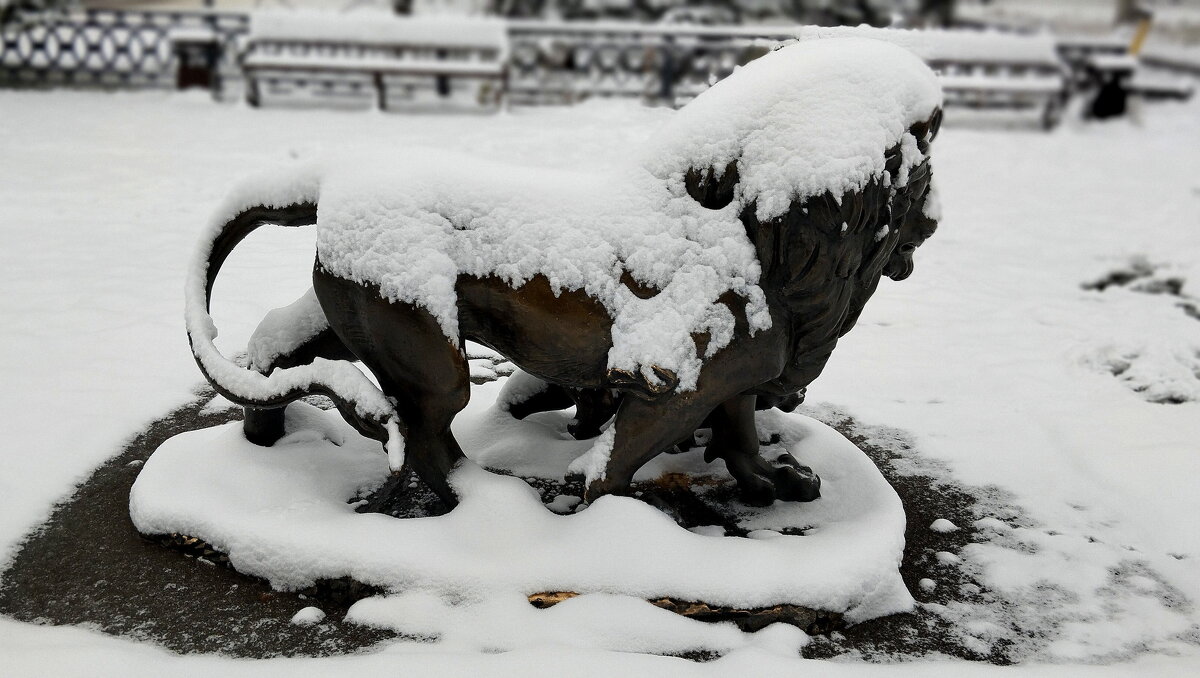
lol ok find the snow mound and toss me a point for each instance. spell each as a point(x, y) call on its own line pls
point(286, 513)
point(942, 525)
point(1160, 369)
point(507, 622)
point(308, 616)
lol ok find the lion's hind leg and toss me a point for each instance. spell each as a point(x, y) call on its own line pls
point(426, 376)
point(429, 385)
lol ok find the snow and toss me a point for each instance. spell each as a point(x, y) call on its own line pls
point(518, 388)
point(284, 514)
point(1114, 62)
point(1172, 54)
point(564, 503)
point(358, 64)
point(192, 34)
point(753, 32)
point(283, 330)
point(612, 622)
point(308, 616)
point(947, 558)
point(943, 525)
point(219, 403)
point(990, 356)
point(979, 82)
point(592, 465)
point(372, 26)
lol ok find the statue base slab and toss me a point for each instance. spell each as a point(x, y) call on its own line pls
point(291, 514)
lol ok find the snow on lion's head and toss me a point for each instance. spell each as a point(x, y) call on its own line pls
point(809, 117)
point(831, 132)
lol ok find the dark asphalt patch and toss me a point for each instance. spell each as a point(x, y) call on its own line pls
point(87, 565)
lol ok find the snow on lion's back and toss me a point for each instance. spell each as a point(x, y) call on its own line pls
point(807, 118)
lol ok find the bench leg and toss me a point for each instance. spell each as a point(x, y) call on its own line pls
point(252, 95)
point(1052, 113)
point(381, 91)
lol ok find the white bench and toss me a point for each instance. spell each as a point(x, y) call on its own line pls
point(291, 55)
point(1042, 88)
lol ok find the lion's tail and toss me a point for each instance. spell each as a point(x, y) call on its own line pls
point(360, 401)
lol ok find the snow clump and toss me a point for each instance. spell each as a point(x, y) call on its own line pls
point(308, 616)
point(942, 525)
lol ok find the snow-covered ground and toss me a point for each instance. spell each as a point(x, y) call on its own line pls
point(992, 358)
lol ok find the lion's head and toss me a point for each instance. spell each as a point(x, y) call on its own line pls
point(915, 207)
point(820, 148)
point(852, 237)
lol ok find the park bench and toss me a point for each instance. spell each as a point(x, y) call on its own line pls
point(1015, 85)
point(1096, 60)
point(981, 69)
point(1176, 58)
point(298, 55)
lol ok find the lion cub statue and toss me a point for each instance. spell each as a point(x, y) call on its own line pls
point(715, 273)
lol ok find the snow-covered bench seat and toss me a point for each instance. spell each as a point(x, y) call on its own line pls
point(360, 54)
point(982, 69)
point(1014, 85)
point(1178, 58)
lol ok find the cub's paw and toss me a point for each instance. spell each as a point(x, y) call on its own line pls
point(638, 384)
point(762, 482)
point(583, 430)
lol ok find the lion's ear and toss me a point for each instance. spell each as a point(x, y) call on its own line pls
point(710, 189)
point(926, 131)
point(892, 159)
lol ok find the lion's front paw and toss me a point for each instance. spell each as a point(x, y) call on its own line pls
point(602, 486)
point(761, 482)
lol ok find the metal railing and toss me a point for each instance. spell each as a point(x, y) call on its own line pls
point(105, 48)
point(561, 62)
point(549, 62)
point(546, 62)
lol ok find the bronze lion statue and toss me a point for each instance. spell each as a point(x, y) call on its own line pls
point(715, 275)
